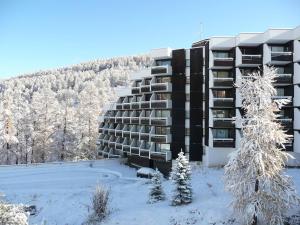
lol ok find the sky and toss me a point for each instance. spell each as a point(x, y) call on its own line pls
point(45, 34)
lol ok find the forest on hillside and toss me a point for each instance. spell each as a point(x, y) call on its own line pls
point(53, 115)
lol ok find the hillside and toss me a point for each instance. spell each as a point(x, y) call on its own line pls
point(52, 115)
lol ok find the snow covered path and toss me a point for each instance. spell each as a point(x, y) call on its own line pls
point(62, 192)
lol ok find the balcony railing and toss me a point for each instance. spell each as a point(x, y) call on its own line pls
point(284, 79)
point(161, 87)
point(161, 104)
point(161, 121)
point(223, 102)
point(135, 90)
point(223, 81)
point(145, 88)
point(224, 62)
point(282, 56)
point(224, 142)
point(161, 70)
point(252, 59)
point(223, 122)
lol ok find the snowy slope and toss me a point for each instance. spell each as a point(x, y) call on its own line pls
point(62, 192)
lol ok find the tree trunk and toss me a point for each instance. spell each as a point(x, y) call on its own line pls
point(254, 222)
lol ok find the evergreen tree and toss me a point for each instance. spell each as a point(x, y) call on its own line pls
point(156, 191)
point(254, 174)
point(181, 177)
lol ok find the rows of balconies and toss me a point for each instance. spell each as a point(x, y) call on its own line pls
point(152, 87)
point(114, 146)
point(152, 104)
point(131, 131)
point(155, 121)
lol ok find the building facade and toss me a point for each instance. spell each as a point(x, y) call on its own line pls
point(188, 101)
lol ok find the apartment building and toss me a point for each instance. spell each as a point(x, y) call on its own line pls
point(188, 101)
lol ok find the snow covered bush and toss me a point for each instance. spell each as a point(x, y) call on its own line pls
point(13, 215)
point(181, 177)
point(156, 191)
point(99, 206)
point(262, 193)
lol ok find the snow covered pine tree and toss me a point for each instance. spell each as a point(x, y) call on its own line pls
point(156, 191)
point(254, 173)
point(181, 177)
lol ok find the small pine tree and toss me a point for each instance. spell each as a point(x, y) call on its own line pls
point(181, 176)
point(156, 191)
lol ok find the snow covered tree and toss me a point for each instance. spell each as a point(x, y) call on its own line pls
point(181, 177)
point(13, 214)
point(156, 191)
point(7, 127)
point(254, 174)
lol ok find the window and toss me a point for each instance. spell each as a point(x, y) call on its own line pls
point(223, 113)
point(222, 74)
point(279, 49)
point(164, 62)
point(221, 55)
point(219, 93)
point(280, 92)
point(246, 72)
point(147, 129)
point(163, 96)
point(147, 81)
point(162, 113)
point(221, 133)
point(162, 130)
point(147, 113)
point(147, 97)
point(163, 79)
point(162, 147)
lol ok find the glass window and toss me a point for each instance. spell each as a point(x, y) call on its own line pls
point(219, 93)
point(222, 113)
point(221, 74)
point(277, 48)
point(162, 130)
point(165, 62)
point(163, 96)
point(162, 113)
point(280, 91)
point(147, 97)
point(147, 81)
point(221, 133)
point(162, 147)
point(147, 129)
point(147, 113)
point(221, 54)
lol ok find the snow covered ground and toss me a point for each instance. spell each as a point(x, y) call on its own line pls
point(62, 193)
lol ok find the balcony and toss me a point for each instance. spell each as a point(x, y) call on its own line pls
point(145, 105)
point(134, 150)
point(135, 90)
point(126, 133)
point(161, 104)
point(161, 156)
point(126, 105)
point(223, 122)
point(251, 60)
point(223, 142)
point(223, 102)
point(282, 56)
point(135, 120)
point(126, 120)
point(145, 136)
point(119, 106)
point(161, 70)
point(223, 62)
point(223, 81)
point(135, 134)
point(286, 122)
point(160, 138)
point(145, 88)
point(284, 97)
point(284, 79)
point(145, 120)
point(135, 105)
point(161, 87)
point(161, 121)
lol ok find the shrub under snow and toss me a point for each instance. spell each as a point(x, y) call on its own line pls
point(13, 215)
point(99, 206)
point(156, 191)
point(181, 176)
